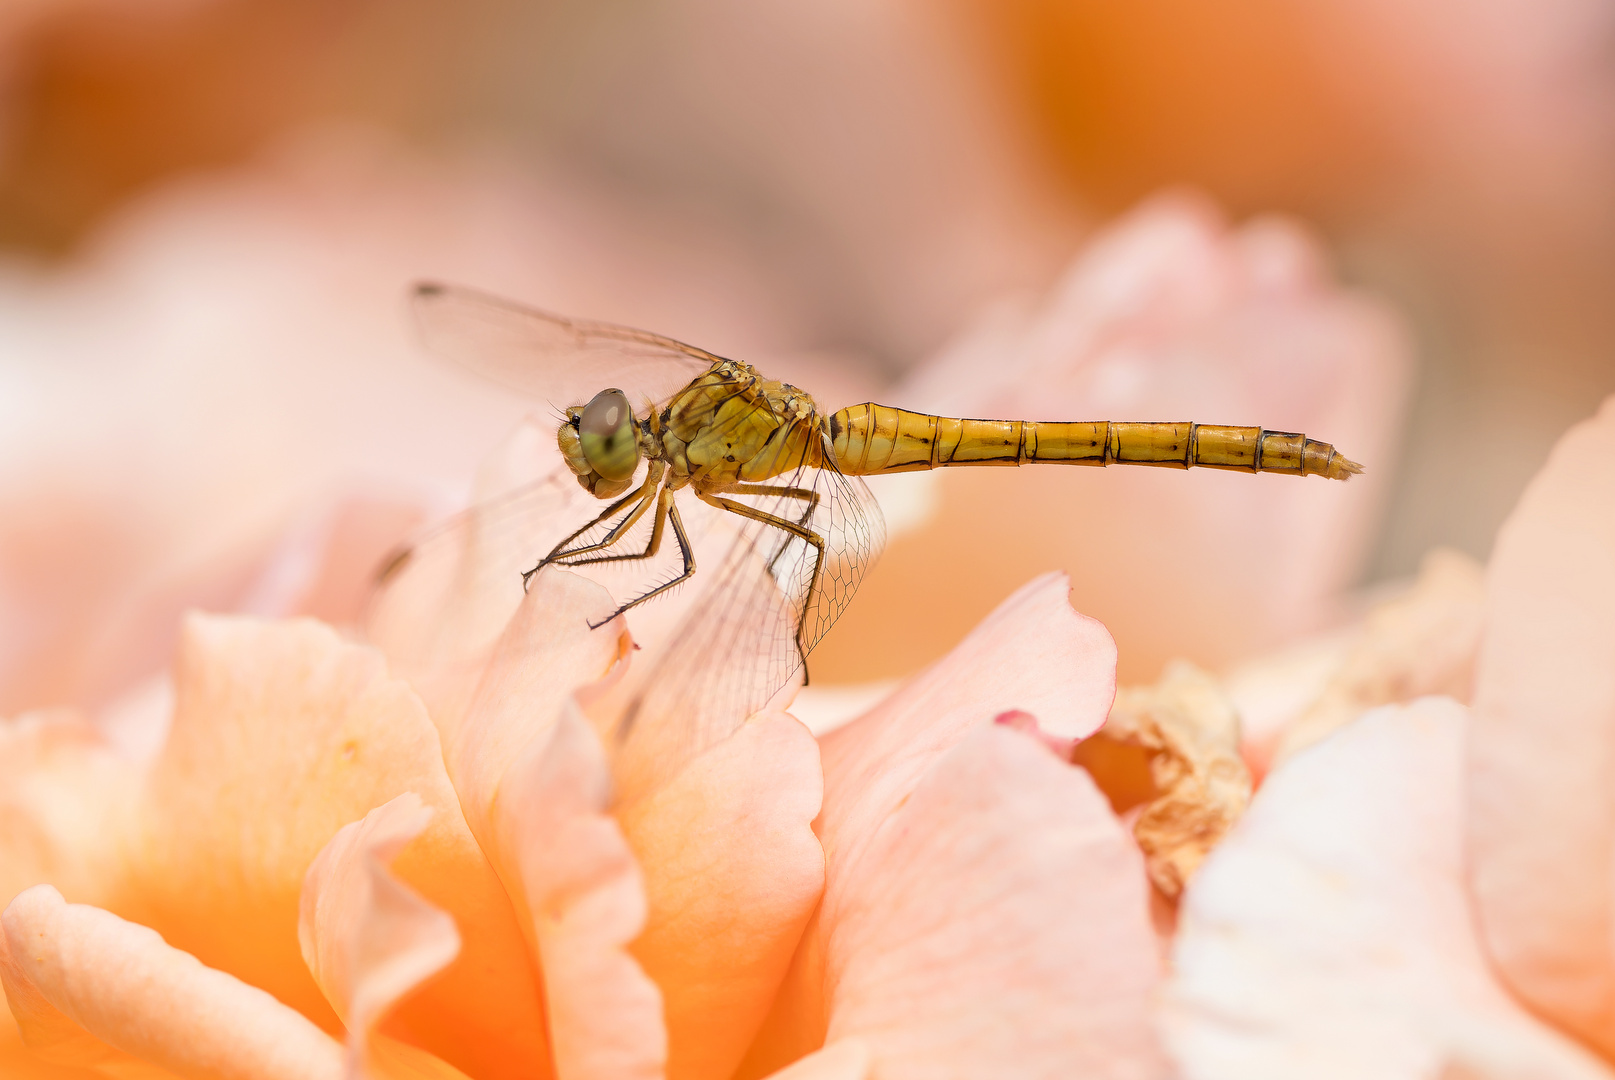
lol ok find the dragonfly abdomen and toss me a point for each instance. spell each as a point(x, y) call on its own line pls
point(870, 439)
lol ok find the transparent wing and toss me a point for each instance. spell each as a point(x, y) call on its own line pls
point(750, 627)
point(550, 357)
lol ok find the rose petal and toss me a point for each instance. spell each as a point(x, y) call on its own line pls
point(732, 873)
point(90, 988)
point(998, 926)
point(1331, 935)
point(283, 733)
point(1034, 654)
point(1542, 766)
point(545, 654)
point(367, 938)
point(583, 889)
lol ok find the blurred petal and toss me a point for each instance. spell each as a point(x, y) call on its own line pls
point(366, 937)
point(732, 872)
point(586, 898)
point(1331, 936)
point(1169, 314)
point(998, 926)
point(283, 733)
point(63, 791)
point(90, 988)
point(1542, 762)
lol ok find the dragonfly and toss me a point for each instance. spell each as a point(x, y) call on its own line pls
point(651, 429)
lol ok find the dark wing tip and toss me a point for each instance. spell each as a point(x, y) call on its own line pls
point(426, 290)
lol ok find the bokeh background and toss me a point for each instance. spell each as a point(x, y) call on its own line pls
point(210, 209)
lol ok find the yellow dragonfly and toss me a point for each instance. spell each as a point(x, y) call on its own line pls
point(652, 428)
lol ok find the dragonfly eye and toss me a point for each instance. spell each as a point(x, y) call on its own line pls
point(606, 430)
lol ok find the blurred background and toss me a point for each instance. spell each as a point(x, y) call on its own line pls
point(1390, 223)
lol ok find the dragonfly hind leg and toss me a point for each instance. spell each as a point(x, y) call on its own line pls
point(796, 529)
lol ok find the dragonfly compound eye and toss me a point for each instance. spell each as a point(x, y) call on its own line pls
point(606, 430)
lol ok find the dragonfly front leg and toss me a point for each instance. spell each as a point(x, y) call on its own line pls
point(666, 510)
point(802, 532)
point(643, 495)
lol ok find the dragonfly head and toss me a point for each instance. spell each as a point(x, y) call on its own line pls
point(601, 443)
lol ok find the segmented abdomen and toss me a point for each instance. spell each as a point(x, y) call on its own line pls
point(870, 439)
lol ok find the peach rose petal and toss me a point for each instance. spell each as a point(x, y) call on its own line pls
point(92, 989)
point(546, 653)
point(1542, 761)
point(283, 733)
point(366, 937)
point(583, 890)
point(997, 926)
point(732, 873)
point(1331, 936)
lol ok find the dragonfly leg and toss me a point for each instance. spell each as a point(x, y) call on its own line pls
point(795, 529)
point(643, 495)
point(668, 509)
point(807, 495)
point(652, 546)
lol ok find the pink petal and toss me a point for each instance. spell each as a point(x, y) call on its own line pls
point(366, 937)
point(732, 872)
point(583, 890)
point(1542, 763)
point(1033, 654)
point(998, 926)
point(89, 988)
point(283, 733)
point(1331, 934)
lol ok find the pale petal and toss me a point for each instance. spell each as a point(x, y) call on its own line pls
point(1330, 935)
point(732, 872)
point(998, 926)
point(283, 733)
point(63, 791)
point(1542, 764)
point(583, 889)
point(366, 937)
point(90, 987)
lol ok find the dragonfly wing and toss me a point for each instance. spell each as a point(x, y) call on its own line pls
point(551, 357)
point(738, 647)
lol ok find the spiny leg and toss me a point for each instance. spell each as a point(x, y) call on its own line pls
point(666, 509)
point(643, 494)
point(800, 531)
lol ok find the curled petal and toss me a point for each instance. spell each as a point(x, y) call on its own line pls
point(366, 937)
point(732, 872)
point(91, 989)
point(1330, 934)
point(586, 900)
point(998, 926)
point(283, 733)
point(1542, 762)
